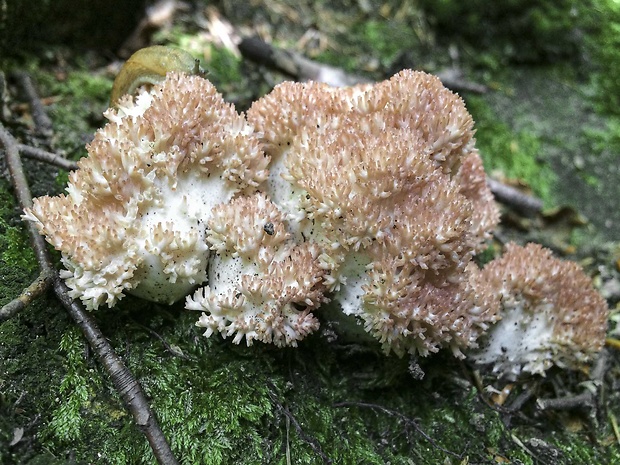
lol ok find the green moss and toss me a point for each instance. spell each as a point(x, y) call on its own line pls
point(220, 403)
point(580, 450)
point(606, 140)
point(30, 375)
point(61, 180)
point(383, 39)
point(15, 249)
point(514, 154)
point(515, 30)
point(605, 47)
point(76, 390)
point(78, 102)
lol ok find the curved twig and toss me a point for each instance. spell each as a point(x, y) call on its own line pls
point(312, 442)
point(587, 400)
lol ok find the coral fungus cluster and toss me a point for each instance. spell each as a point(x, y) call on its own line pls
point(373, 197)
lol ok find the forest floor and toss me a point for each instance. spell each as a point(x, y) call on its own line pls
point(328, 401)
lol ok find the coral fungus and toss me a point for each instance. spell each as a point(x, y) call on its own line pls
point(551, 313)
point(371, 196)
point(133, 216)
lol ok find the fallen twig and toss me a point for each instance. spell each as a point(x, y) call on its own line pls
point(22, 192)
point(44, 280)
point(38, 287)
point(42, 122)
point(587, 399)
point(296, 65)
point(125, 383)
point(48, 157)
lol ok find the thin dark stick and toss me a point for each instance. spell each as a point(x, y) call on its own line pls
point(47, 157)
point(583, 401)
point(520, 401)
point(42, 283)
point(22, 192)
point(42, 122)
point(406, 419)
point(125, 383)
point(169, 348)
point(127, 386)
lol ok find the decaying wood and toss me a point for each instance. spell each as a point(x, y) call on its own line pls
point(301, 68)
point(295, 65)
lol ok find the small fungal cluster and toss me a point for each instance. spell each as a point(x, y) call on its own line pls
point(373, 197)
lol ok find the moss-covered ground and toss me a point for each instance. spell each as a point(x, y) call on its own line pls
point(543, 123)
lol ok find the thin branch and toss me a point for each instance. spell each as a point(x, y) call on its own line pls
point(125, 383)
point(406, 419)
point(128, 387)
point(22, 192)
point(43, 282)
point(521, 399)
point(42, 122)
point(38, 287)
point(583, 401)
point(296, 65)
point(587, 399)
point(175, 351)
point(48, 157)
